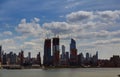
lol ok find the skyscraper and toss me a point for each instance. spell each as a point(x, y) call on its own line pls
point(63, 52)
point(56, 51)
point(67, 58)
point(21, 57)
point(63, 56)
point(80, 59)
point(73, 53)
point(87, 56)
point(12, 58)
point(4, 59)
point(39, 59)
point(47, 53)
point(97, 55)
point(95, 59)
point(72, 44)
point(29, 58)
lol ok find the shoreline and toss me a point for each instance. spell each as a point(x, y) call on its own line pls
point(43, 67)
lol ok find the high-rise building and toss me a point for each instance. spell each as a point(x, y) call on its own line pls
point(80, 59)
point(63, 52)
point(72, 44)
point(47, 53)
point(95, 59)
point(29, 56)
point(97, 55)
point(88, 59)
point(28, 60)
point(67, 57)
point(87, 56)
point(4, 59)
point(39, 59)
point(12, 57)
point(56, 51)
point(73, 53)
point(63, 56)
point(21, 57)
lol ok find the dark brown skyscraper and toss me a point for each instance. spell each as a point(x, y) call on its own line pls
point(56, 51)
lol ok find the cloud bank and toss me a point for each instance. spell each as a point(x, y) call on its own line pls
point(89, 28)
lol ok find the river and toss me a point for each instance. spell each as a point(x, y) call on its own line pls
point(66, 72)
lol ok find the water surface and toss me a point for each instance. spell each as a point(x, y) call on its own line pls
point(67, 72)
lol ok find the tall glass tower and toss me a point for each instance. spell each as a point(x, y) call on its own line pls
point(47, 52)
point(73, 53)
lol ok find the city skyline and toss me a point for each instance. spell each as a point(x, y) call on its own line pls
point(94, 24)
point(52, 58)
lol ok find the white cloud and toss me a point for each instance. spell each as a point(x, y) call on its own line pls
point(104, 42)
point(7, 33)
point(59, 27)
point(91, 29)
point(8, 41)
point(9, 45)
point(109, 15)
point(20, 37)
point(30, 28)
point(36, 19)
point(23, 21)
point(72, 5)
point(79, 16)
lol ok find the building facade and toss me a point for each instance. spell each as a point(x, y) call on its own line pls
point(47, 53)
point(73, 53)
point(56, 51)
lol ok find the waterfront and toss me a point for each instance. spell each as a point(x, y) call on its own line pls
point(64, 72)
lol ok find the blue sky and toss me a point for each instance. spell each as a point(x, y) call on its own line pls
point(95, 25)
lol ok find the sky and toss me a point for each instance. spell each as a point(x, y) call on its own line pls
point(94, 24)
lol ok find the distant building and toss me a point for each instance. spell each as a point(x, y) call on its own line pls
point(115, 61)
point(21, 57)
point(12, 58)
point(47, 53)
point(73, 53)
point(27, 60)
point(39, 59)
point(63, 60)
point(67, 57)
point(95, 59)
point(29, 56)
point(87, 57)
point(80, 59)
point(63, 52)
point(56, 51)
point(4, 59)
